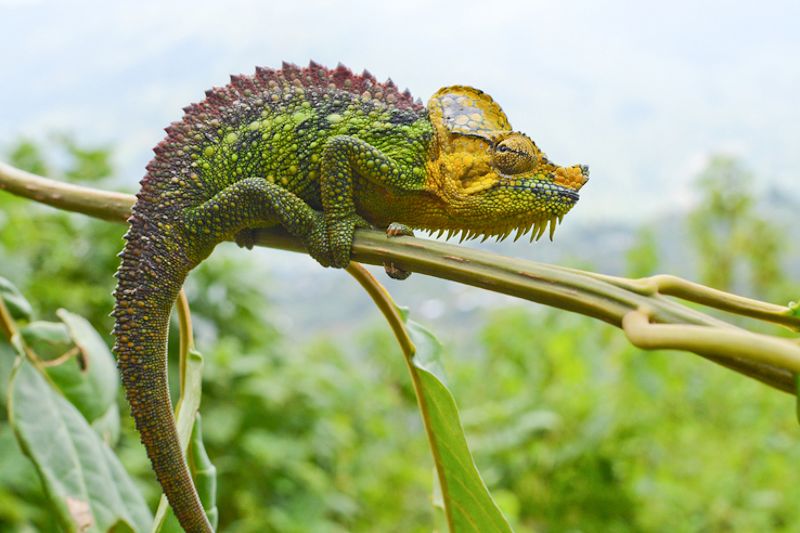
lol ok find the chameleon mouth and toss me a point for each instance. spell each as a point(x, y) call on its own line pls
point(569, 194)
point(542, 189)
point(554, 199)
point(535, 228)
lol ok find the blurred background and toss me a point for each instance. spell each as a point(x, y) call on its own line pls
point(687, 115)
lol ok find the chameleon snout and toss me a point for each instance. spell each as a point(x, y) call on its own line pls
point(573, 177)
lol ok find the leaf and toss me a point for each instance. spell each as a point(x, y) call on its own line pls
point(16, 472)
point(77, 361)
point(84, 480)
point(97, 392)
point(16, 303)
point(205, 473)
point(108, 425)
point(48, 340)
point(467, 502)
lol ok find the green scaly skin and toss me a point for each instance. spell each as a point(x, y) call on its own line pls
point(320, 152)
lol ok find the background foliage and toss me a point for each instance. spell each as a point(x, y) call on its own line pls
point(572, 429)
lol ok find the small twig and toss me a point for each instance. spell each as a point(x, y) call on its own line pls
point(669, 285)
point(186, 337)
point(736, 344)
point(384, 301)
point(7, 324)
point(10, 330)
point(61, 359)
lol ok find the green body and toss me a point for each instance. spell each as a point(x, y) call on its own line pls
point(319, 152)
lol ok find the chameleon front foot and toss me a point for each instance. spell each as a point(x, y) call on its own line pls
point(396, 229)
point(331, 239)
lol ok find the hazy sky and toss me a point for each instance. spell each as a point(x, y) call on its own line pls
point(642, 92)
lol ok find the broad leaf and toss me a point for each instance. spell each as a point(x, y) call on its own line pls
point(78, 362)
point(204, 472)
point(88, 488)
point(467, 503)
point(96, 392)
point(16, 303)
point(108, 425)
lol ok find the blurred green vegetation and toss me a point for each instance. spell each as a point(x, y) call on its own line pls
point(572, 429)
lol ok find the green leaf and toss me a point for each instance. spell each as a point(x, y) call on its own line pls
point(96, 392)
point(77, 361)
point(85, 482)
point(16, 303)
point(16, 472)
point(108, 425)
point(468, 504)
point(49, 341)
point(205, 473)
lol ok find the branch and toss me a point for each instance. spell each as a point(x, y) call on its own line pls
point(106, 205)
point(606, 298)
point(702, 339)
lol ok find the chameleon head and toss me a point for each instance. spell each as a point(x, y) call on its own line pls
point(494, 180)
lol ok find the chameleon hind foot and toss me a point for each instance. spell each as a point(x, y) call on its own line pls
point(396, 229)
point(246, 238)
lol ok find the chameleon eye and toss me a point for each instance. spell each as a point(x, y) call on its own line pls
point(513, 159)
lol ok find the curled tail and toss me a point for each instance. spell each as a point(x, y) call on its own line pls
point(151, 274)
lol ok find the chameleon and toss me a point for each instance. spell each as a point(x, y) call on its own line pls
point(320, 152)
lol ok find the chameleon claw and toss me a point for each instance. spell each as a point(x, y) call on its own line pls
point(395, 272)
point(396, 229)
point(246, 238)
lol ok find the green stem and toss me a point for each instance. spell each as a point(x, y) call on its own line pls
point(694, 292)
point(186, 337)
point(384, 301)
point(12, 334)
point(7, 324)
point(702, 339)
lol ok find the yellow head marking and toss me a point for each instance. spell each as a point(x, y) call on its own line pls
point(467, 111)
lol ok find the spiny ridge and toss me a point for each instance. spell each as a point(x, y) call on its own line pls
point(535, 229)
point(202, 119)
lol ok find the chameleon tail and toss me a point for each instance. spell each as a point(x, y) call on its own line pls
point(150, 276)
point(160, 252)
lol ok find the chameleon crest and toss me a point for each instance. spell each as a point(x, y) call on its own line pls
point(319, 152)
point(467, 111)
